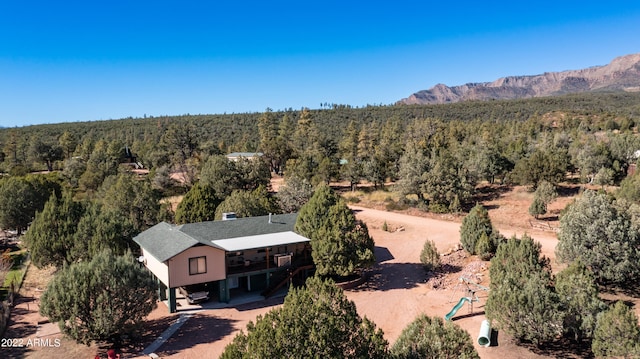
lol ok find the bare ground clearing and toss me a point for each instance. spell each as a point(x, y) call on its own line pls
point(398, 289)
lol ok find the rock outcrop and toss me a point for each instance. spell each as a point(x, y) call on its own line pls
point(622, 74)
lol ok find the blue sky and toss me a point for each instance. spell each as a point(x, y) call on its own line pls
point(63, 61)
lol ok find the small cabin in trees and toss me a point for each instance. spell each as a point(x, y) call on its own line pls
point(255, 254)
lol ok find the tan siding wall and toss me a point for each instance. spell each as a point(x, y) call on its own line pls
point(179, 266)
point(156, 267)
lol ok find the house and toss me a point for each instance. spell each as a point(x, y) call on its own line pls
point(235, 156)
point(240, 255)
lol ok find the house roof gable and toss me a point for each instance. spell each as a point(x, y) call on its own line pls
point(165, 241)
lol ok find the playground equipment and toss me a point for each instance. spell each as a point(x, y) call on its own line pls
point(471, 288)
point(455, 309)
point(484, 338)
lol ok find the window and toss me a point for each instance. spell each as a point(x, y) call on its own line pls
point(197, 265)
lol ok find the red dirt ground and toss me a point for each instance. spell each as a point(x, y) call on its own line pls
point(397, 291)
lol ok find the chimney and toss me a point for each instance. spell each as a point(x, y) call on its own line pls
point(269, 217)
point(229, 216)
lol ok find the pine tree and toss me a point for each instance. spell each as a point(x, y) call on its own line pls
point(578, 294)
point(98, 229)
point(50, 237)
point(522, 300)
point(474, 225)
point(101, 299)
point(596, 231)
point(248, 204)
point(537, 207)
point(198, 205)
point(429, 256)
point(18, 205)
point(340, 244)
point(314, 322)
point(617, 333)
point(413, 169)
point(431, 337)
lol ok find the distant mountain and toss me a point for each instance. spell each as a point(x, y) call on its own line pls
point(622, 74)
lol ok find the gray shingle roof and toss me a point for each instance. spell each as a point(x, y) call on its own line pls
point(165, 241)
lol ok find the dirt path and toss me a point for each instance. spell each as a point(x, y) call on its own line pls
point(399, 289)
point(396, 293)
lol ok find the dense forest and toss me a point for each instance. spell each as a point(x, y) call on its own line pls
point(84, 210)
point(436, 152)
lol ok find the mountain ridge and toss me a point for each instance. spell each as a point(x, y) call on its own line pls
point(621, 74)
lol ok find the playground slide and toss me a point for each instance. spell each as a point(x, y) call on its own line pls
point(453, 311)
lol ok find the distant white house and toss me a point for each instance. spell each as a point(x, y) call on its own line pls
point(235, 156)
point(230, 256)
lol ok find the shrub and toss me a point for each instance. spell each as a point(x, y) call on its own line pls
point(431, 337)
point(485, 248)
point(617, 333)
point(429, 257)
point(476, 223)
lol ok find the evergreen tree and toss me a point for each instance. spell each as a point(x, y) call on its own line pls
point(546, 192)
point(314, 322)
point(630, 188)
point(131, 198)
point(68, 142)
point(351, 167)
point(445, 183)
point(485, 247)
point(50, 237)
point(600, 234)
point(431, 337)
point(248, 204)
point(221, 175)
point(522, 301)
point(413, 169)
point(268, 130)
point(198, 205)
point(99, 229)
point(18, 205)
point(474, 225)
point(339, 243)
point(550, 165)
point(537, 207)
point(429, 256)
point(617, 333)
point(101, 299)
point(45, 153)
point(578, 293)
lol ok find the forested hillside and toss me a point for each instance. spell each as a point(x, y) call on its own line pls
point(436, 154)
point(238, 132)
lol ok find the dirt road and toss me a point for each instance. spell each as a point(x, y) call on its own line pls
point(398, 291)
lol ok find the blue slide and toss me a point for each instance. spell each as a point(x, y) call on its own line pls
point(453, 311)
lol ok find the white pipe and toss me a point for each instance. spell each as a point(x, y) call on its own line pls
point(484, 338)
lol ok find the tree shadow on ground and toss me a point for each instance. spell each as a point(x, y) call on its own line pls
point(270, 302)
point(486, 193)
point(562, 348)
point(388, 276)
point(152, 329)
point(382, 254)
point(199, 329)
point(475, 313)
point(567, 191)
point(631, 290)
